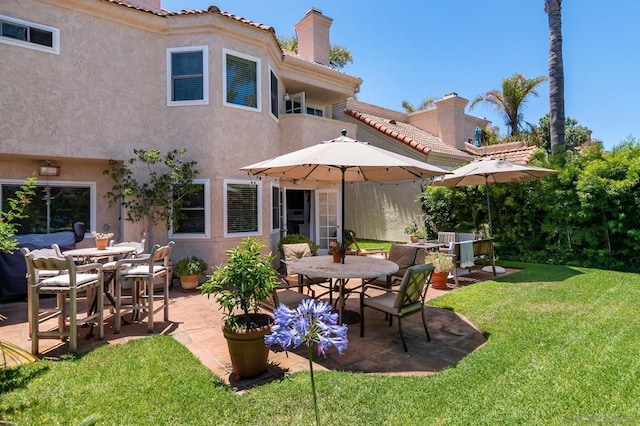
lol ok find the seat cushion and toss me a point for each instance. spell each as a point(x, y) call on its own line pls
point(293, 252)
point(63, 280)
point(142, 270)
point(385, 303)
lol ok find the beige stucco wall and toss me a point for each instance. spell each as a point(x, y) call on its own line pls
point(105, 94)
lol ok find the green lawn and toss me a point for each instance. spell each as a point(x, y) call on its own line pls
point(562, 348)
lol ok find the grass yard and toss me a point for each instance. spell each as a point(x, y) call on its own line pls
point(562, 348)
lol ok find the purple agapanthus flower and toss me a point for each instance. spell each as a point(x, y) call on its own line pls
point(312, 322)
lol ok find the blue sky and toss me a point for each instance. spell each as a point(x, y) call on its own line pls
point(412, 50)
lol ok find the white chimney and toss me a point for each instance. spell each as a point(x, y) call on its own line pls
point(313, 36)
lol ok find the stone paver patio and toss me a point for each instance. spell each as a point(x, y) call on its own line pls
point(196, 323)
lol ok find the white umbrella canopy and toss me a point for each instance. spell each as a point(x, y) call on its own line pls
point(344, 160)
point(484, 172)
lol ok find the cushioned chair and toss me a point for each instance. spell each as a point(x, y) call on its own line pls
point(289, 295)
point(407, 300)
point(404, 256)
point(47, 274)
point(141, 273)
point(293, 252)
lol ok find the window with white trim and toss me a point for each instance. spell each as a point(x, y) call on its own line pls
point(275, 208)
point(56, 206)
point(195, 213)
point(241, 80)
point(273, 93)
point(188, 75)
point(242, 208)
point(19, 32)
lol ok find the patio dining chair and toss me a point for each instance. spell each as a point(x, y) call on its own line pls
point(287, 294)
point(141, 273)
point(60, 276)
point(293, 252)
point(407, 300)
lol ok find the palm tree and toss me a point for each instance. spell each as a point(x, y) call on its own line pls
point(338, 56)
point(409, 108)
point(556, 76)
point(510, 100)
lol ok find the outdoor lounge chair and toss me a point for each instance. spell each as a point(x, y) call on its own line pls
point(482, 250)
point(407, 300)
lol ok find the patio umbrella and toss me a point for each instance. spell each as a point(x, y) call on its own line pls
point(484, 172)
point(344, 160)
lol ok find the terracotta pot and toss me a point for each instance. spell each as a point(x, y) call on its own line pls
point(439, 280)
point(101, 243)
point(189, 282)
point(248, 352)
point(337, 257)
point(414, 239)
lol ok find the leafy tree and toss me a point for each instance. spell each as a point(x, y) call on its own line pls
point(8, 242)
point(511, 99)
point(339, 56)
point(575, 134)
point(159, 197)
point(409, 108)
point(556, 76)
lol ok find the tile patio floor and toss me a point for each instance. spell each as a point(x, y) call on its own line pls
point(195, 321)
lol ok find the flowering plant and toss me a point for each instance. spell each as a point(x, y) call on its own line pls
point(310, 323)
point(441, 262)
point(102, 235)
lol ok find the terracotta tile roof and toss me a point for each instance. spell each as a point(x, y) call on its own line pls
point(210, 9)
point(513, 152)
point(409, 135)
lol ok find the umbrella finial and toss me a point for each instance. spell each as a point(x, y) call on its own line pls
point(344, 132)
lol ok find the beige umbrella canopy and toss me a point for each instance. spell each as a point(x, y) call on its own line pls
point(344, 160)
point(484, 172)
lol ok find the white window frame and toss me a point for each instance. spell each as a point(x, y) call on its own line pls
point(272, 207)
point(258, 107)
point(55, 36)
point(317, 107)
point(226, 183)
point(205, 75)
point(296, 97)
point(39, 184)
point(207, 215)
point(278, 97)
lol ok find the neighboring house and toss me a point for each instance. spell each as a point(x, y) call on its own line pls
point(86, 81)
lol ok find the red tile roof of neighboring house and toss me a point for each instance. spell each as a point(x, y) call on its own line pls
point(409, 135)
point(425, 142)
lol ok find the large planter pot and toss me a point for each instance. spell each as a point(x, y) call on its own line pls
point(439, 280)
point(247, 349)
point(189, 282)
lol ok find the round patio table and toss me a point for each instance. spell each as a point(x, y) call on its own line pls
point(353, 267)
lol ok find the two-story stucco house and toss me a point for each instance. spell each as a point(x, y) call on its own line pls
point(86, 81)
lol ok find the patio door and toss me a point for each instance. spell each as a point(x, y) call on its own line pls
point(328, 216)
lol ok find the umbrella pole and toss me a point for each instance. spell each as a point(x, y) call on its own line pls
point(486, 189)
point(343, 249)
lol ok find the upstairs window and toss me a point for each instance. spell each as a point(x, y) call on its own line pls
point(22, 33)
point(273, 92)
point(241, 80)
point(195, 213)
point(188, 76)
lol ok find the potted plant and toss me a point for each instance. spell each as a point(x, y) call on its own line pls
point(442, 263)
point(102, 239)
point(240, 286)
point(411, 229)
point(334, 250)
point(189, 271)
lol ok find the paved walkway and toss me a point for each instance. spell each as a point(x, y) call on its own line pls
point(196, 323)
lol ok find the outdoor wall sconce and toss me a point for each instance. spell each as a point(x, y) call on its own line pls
point(49, 170)
point(286, 97)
